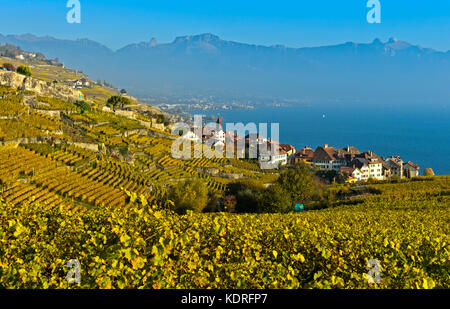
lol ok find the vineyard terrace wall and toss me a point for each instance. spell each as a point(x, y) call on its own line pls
point(41, 88)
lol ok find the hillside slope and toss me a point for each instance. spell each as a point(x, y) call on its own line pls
point(42, 88)
point(63, 152)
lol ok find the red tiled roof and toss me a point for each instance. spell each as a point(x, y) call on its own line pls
point(346, 169)
point(287, 147)
point(306, 152)
point(375, 162)
point(412, 165)
point(324, 154)
point(351, 150)
point(369, 155)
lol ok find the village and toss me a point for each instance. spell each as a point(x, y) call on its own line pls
point(349, 162)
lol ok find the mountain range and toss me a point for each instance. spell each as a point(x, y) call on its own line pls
point(395, 71)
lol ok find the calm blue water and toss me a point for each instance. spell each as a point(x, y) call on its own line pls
point(417, 134)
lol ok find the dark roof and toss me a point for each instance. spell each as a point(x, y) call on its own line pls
point(351, 150)
point(330, 153)
point(370, 156)
point(392, 163)
point(306, 152)
point(346, 169)
point(324, 154)
point(358, 163)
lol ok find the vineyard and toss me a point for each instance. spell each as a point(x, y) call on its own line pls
point(69, 155)
point(146, 247)
point(11, 106)
point(95, 186)
point(5, 91)
point(48, 175)
point(54, 104)
point(40, 121)
point(94, 118)
point(11, 129)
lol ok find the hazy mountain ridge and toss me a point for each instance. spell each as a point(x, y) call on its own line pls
point(392, 70)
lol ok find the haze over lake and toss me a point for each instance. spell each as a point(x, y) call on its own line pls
point(420, 133)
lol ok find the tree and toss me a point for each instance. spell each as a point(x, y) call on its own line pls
point(160, 118)
point(249, 196)
point(249, 201)
point(298, 182)
point(428, 172)
point(277, 199)
point(24, 70)
point(326, 176)
point(342, 177)
point(116, 100)
point(123, 91)
point(83, 106)
point(213, 203)
point(124, 101)
point(189, 195)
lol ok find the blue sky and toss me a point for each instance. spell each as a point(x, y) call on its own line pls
point(294, 23)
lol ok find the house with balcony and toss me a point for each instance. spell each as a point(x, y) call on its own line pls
point(329, 158)
point(269, 158)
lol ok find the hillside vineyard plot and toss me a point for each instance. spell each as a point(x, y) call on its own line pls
point(140, 246)
point(86, 184)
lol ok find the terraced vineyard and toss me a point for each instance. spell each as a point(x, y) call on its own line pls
point(54, 104)
point(41, 122)
point(95, 186)
point(158, 249)
point(49, 160)
point(50, 175)
point(12, 105)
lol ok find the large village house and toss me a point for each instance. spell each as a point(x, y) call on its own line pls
point(329, 158)
point(411, 169)
point(290, 152)
point(364, 166)
point(395, 164)
point(304, 155)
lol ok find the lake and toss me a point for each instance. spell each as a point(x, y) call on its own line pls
point(420, 134)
